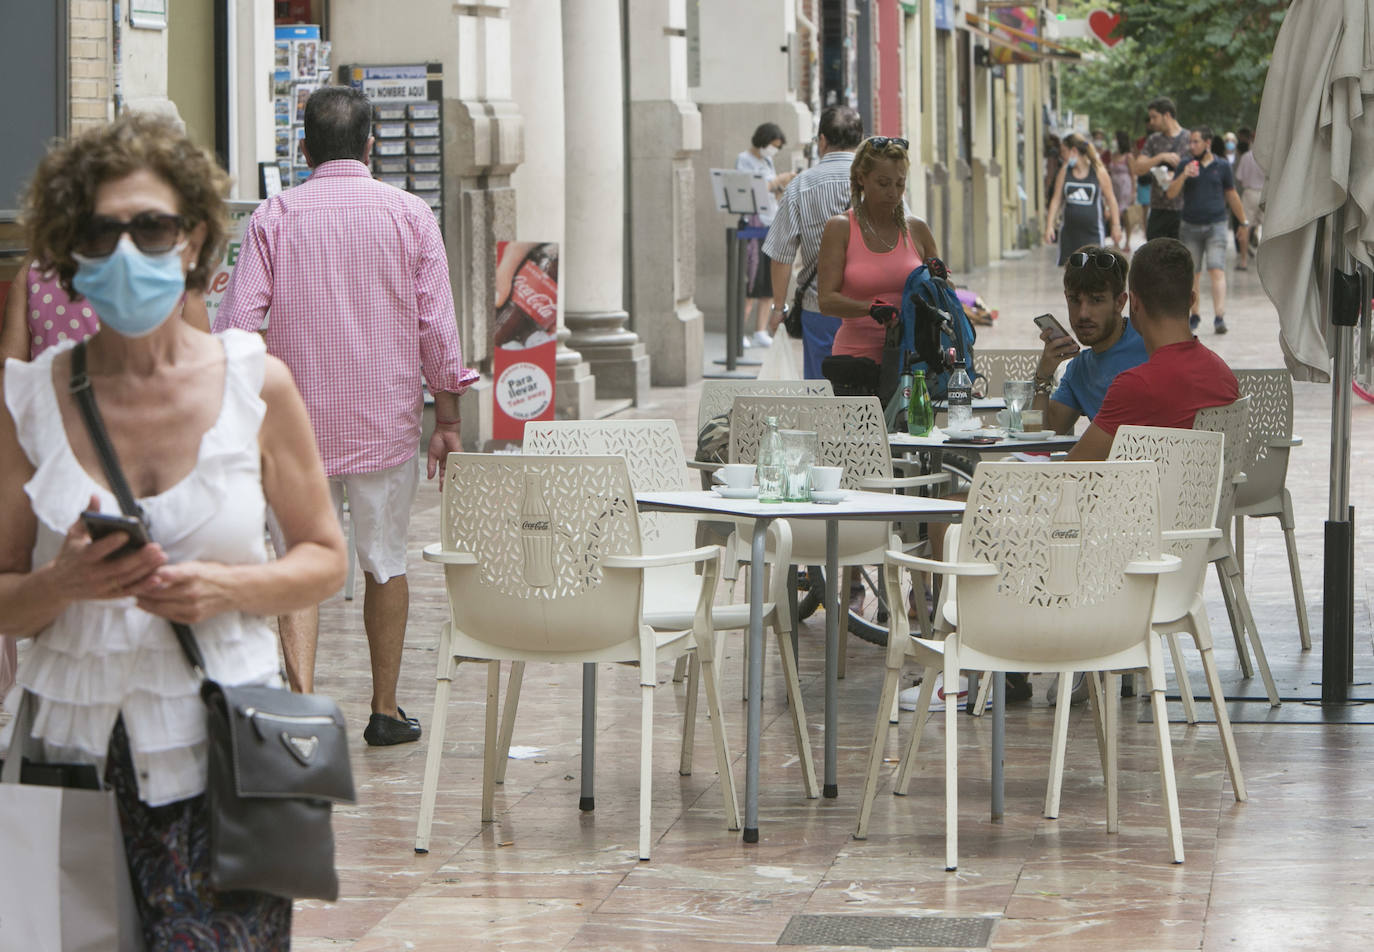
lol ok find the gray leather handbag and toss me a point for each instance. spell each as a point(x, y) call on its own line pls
point(278, 761)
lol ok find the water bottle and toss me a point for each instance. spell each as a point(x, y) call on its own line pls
point(920, 415)
point(895, 407)
point(770, 462)
point(959, 393)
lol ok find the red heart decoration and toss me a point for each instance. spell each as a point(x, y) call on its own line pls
point(1103, 24)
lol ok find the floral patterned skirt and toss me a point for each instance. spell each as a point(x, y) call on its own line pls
point(168, 849)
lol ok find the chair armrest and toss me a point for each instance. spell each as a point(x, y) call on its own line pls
point(707, 465)
point(904, 482)
point(707, 553)
point(1160, 566)
point(435, 552)
point(1283, 443)
point(1184, 535)
point(901, 560)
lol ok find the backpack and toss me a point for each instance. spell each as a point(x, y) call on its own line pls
point(932, 321)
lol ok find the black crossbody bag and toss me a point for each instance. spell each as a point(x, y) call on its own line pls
point(278, 761)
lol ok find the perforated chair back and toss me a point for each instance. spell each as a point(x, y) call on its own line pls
point(999, 366)
point(850, 431)
point(1190, 473)
point(718, 396)
point(1271, 419)
point(1062, 535)
point(1233, 422)
point(539, 528)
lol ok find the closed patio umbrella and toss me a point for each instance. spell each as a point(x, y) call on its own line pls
point(1315, 141)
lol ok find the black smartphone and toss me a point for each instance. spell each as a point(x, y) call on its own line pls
point(100, 524)
point(971, 440)
point(1050, 322)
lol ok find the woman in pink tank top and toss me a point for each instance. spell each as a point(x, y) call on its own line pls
point(868, 252)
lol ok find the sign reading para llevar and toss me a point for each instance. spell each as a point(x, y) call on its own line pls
point(523, 335)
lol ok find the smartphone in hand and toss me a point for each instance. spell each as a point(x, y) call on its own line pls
point(100, 524)
point(1050, 322)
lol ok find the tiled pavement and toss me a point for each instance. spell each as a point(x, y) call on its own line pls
point(1290, 870)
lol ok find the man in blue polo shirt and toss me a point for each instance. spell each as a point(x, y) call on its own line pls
point(1208, 187)
point(1095, 291)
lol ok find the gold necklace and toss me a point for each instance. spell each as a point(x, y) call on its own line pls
point(868, 226)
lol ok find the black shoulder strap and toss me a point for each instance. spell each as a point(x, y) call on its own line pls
point(80, 387)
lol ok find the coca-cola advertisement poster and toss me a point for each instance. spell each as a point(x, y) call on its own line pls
point(523, 333)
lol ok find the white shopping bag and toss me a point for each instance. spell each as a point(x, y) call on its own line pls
point(780, 359)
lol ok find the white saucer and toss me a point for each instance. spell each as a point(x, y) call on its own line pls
point(727, 492)
point(828, 496)
point(966, 434)
point(1030, 434)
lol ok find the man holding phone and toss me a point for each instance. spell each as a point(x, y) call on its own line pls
point(1095, 292)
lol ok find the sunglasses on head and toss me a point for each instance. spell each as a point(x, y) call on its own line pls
point(152, 232)
point(882, 142)
point(1104, 260)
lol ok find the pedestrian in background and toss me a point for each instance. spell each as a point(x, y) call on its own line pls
point(1123, 184)
point(1250, 181)
point(1207, 189)
point(355, 274)
point(763, 148)
point(809, 201)
point(1165, 148)
point(1082, 189)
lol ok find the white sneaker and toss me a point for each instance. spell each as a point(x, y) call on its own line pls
point(747, 341)
point(762, 339)
point(907, 699)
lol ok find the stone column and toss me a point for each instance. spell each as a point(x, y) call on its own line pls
point(665, 132)
point(537, 44)
point(592, 270)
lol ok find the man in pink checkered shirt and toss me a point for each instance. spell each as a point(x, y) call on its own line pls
point(356, 278)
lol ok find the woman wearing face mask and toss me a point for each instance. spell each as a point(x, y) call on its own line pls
point(38, 314)
point(1081, 188)
point(763, 148)
point(208, 431)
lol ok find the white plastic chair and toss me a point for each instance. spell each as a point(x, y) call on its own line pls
point(1072, 552)
point(1190, 478)
point(1233, 421)
point(543, 562)
point(653, 450)
point(999, 366)
point(852, 433)
point(1265, 490)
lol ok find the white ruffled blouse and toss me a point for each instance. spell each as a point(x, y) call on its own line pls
point(101, 659)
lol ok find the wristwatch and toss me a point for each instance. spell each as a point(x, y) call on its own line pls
point(773, 309)
point(1043, 385)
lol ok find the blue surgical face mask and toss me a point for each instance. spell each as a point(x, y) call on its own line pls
point(1073, 160)
point(132, 292)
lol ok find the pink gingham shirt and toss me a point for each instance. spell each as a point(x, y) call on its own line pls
point(356, 277)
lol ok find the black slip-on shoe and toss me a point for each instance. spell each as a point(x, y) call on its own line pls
point(384, 731)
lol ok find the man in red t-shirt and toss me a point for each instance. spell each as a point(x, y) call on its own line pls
point(1182, 376)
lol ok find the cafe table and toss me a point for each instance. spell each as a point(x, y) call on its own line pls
point(1048, 442)
point(856, 504)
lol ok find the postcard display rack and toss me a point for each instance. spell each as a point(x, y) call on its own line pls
point(407, 125)
point(301, 65)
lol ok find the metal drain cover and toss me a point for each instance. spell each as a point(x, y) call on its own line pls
point(889, 932)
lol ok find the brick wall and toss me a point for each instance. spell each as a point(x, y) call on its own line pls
point(89, 63)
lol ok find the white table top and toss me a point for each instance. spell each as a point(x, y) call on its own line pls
point(858, 504)
point(1051, 442)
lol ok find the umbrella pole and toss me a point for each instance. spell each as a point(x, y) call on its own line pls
point(1349, 298)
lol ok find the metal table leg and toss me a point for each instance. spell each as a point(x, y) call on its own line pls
point(755, 717)
point(832, 652)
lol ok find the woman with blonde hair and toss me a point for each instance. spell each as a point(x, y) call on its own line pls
point(868, 252)
point(1081, 188)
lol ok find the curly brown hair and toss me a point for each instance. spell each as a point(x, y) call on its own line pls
point(59, 201)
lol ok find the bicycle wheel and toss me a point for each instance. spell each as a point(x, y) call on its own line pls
point(868, 611)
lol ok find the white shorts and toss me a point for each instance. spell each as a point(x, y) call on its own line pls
point(379, 507)
point(1250, 201)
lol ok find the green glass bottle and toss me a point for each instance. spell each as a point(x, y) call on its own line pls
point(920, 415)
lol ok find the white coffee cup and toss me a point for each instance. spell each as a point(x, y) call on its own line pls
point(737, 475)
point(826, 479)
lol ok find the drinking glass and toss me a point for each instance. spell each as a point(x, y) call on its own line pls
point(798, 454)
point(1018, 395)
